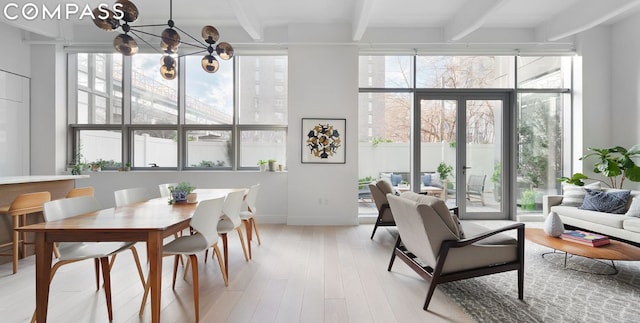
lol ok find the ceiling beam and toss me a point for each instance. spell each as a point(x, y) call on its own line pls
point(471, 17)
point(248, 18)
point(361, 17)
point(582, 16)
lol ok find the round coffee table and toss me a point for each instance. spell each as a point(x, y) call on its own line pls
point(616, 250)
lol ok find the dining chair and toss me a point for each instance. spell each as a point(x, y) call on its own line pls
point(100, 252)
point(204, 222)
point(81, 191)
point(164, 189)
point(18, 209)
point(230, 222)
point(130, 195)
point(248, 215)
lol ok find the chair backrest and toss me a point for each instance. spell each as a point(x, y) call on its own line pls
point(29, 203)
point(66, 208)
point(438, 206)
point(206, 217)
point(81, 191)
point(476, 183)
point(164, 189)
point(422, 230)
point(130, 195)
point(232, 205)
point(378, 197)
point(251, 197)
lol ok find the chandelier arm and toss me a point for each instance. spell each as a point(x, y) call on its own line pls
point(186, 33)
point(154, 25)
point(144, 41)
point(198, 52)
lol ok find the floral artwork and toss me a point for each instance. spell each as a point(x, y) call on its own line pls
point(323, 140)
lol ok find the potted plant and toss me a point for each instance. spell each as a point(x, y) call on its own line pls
point(127, 166)
point(615, 163)
point(262, 164)
point(272, 165)
point(180, 192)
point(97, 165)
point(444, 170)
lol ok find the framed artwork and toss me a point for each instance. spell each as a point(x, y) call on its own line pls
point(323, 141)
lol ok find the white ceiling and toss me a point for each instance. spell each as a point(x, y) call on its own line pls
point(367, 21)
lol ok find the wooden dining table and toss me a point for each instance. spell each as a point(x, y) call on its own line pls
point(149, 221)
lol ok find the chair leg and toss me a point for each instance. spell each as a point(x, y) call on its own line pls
point(106, 276)
point(144, 297)
point(375, 227)
point(248, 229)
point(393, 254)
point(222, 268)
point(96, 263)
point(244, 248)
point(175, 270)
point(16, 242)
point(134, 252)
point(225, 249)
point(432, 288)
point(255, 227)
point(24, 237)
point(196, 286)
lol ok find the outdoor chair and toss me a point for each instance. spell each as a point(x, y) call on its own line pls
point(442, 249)
point(475, 187)
point(379, 192)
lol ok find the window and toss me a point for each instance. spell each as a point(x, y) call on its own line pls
point(227, 120)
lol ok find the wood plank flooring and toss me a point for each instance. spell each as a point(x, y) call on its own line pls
point(299, 274)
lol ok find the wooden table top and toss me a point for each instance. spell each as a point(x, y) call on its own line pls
point(616, 250)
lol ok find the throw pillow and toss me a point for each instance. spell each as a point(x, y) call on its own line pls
point(396, 179)
point(386, 177)
point(634, 209)
point(573, 195)
point(435, 180)
point(608, 202)
point(426, 180)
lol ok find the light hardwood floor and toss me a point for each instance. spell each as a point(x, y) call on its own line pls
point(299, 274)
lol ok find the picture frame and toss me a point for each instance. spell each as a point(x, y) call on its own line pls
point(323, 141)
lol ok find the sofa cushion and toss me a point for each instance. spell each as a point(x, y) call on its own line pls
point(632, 225)
point(608, 202)
point(634, 207)
point(426, 179)
point(396, 179)
point(608, 219)
point(573, 195)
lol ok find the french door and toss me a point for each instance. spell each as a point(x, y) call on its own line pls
point(468, 133)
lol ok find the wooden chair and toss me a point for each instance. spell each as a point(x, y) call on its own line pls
point(21, 206)
point(248, 215)
point(432, 243)
point(379, 192)
point(204, 221)
point(475, 187)
point(100, 252)
point(81, 191)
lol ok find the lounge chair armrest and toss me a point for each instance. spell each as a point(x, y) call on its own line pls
point(468, 241)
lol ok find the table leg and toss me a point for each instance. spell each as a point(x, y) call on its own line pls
point(44, 250)
point(154, 252)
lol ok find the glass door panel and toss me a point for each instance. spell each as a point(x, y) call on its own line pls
point(438, 120)
point(483, 158)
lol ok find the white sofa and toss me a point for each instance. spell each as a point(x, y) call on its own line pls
point(621, 226)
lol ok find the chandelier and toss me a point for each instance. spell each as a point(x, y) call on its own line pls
point(126, 12)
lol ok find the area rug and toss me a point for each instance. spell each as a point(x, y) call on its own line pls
point(552, 293)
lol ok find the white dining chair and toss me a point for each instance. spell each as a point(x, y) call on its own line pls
point(248, 215)
point(100, 252)
point(203, 222)
point(130, 195)
point(230, 222)
point(164, 189)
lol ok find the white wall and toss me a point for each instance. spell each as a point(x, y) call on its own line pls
point(16, 57)
point(625, 82)
point(323, 83)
